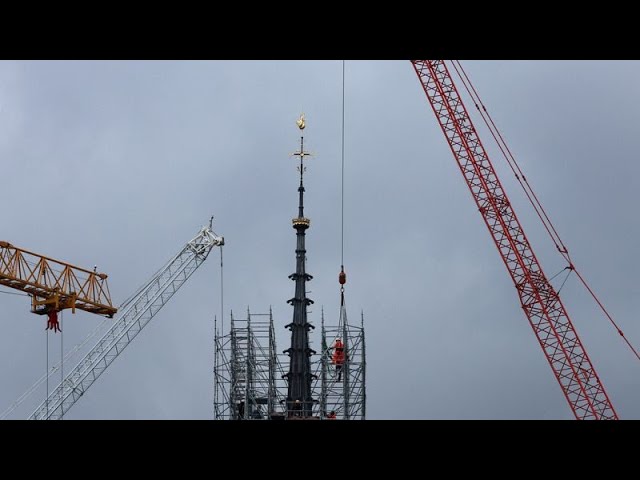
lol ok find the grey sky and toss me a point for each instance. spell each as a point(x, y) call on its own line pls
point(119, 163)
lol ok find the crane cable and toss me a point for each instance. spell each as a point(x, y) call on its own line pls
point(47, 398)
point(342, 178)
point(61, 361)
point(53, 369)
point(71, 353)
point(61, 358)
point(342, 277)
point(221, 294)
point(532, 197)
point(15, 293)
point(340, 347)
point(511, 161)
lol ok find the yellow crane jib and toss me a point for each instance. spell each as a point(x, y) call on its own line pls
point(54, 285)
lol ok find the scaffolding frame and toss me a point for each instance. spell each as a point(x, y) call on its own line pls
point(347, 397)
point(248, 373)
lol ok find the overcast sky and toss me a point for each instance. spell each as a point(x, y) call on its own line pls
point(119, 164)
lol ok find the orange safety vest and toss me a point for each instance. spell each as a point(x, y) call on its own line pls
point(338, 353)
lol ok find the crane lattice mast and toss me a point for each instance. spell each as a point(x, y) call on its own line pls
point(539, 300)
point(136, 315)
point(52, 284)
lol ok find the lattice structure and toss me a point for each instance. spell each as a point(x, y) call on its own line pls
point(542, 305)
point(248, 373)
point(135, 315)
point(54, 285)
point(342, 392)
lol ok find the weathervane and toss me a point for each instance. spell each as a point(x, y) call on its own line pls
point(301, 123)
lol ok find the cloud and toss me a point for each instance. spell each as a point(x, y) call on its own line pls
point(119, 163)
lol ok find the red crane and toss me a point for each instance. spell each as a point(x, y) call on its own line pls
point(539, 300)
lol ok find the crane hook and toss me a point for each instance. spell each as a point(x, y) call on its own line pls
point(52, 322)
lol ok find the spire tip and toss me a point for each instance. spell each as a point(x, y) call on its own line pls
point(301, 122)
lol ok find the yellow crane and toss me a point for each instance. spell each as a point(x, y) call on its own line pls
point(54, 285)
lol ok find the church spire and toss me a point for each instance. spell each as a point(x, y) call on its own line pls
point(299, 401)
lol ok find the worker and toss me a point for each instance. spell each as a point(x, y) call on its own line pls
point(331, 415)
point(257, 414)
point(52, 323)
point(296, 408)
point(338, 357)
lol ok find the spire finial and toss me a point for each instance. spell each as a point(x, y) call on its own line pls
point(300, 122)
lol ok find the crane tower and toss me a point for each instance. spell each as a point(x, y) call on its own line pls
point(540, 301)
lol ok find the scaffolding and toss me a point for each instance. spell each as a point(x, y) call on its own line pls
point(341, 389)
point(248, 374)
